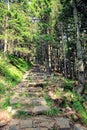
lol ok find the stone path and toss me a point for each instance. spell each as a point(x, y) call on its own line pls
point(28, 99)
point(28, 94)
point(38, 123)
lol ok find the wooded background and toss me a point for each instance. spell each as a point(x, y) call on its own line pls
point(47, 32)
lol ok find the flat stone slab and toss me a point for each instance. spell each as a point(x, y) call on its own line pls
point(26, 100)
point(40, 109)
point(36, 83)
point(34, 94)
point(36, 129)
point(34, 110)
point(23, 84)
point(34, 101)
point(33, 89)
point(42, 123)
point(15, 99)
point(13, 127)
point(62, 123)
point(37, 77)
point(40, 101)
point(14, 122)
point(42, 118)
point(49, 124)
point(26, 124)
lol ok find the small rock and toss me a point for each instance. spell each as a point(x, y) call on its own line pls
point(15, 99)
point(75, 117)
point(14, 122)
point(52, 95)
point(13, 127)
point(9, 109)
point(48, 125)
point(3, 123)
point(40, 101)
point(4, 116)
point(79, 127)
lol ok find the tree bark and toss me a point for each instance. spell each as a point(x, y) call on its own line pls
point(69, 60)
point(81, 78)
point(64, 55)
point(6, 26)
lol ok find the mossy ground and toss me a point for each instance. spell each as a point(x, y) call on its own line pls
point(11, 73)
point(66, 98)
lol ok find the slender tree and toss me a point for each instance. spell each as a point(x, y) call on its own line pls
point(81, 78)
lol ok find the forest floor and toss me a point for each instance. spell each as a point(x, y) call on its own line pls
point(39, 102)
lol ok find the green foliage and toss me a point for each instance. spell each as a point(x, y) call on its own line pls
point(52, 112)
point(19, 63)
point(77, 105)
point(21, 114)
point(68, 84)
point(16, 105)
point(10, 72)
point(48, 100)
point(2, 88)
point(4, 104)
point(58, 93)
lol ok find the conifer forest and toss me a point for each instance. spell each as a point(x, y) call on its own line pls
point(43, 64)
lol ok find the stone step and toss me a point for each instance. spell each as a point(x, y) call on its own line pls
point(38, 83)
point(40, 109)
point(29, 101)
point(37, 74)
point(62, 123)
point(34, 89)
point(34, 94)
point(34, 110)
point(37, 77)
point(40, 123)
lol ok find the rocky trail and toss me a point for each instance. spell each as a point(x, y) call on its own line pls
point(28, 105)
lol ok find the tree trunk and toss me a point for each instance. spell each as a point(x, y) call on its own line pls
point(69, 60)
point(6, 26)
point(47, 58)
point(81, 78)
point(64, 55)
point(49, 55)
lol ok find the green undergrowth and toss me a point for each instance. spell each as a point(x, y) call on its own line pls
point(19, 63)
point(71, 99)
point(77, 104)
point(68, 84)
point(67, 98)
point(22, 115)
point(11, 73)
point(54, 111)
point(74, 101)
point(12, 68)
